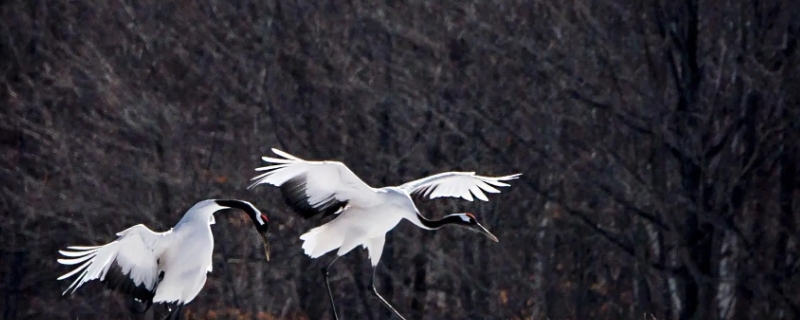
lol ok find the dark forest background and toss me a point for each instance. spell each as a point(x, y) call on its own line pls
point(658, 142)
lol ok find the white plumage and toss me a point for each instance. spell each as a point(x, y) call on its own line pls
point(457, 184)
point(142, 247)
point(324, 181)
point(157, 267)
point(365, 214)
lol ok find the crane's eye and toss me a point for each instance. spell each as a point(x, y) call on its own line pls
point(264, 218)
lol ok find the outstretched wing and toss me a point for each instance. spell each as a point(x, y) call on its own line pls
point(128, 264)
point(314, 187)
point(457, 184)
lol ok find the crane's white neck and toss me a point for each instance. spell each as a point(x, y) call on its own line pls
point(202, 211)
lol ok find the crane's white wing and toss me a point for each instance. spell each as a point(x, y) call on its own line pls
point(457, 184)
point(314, 187)
point(128, 264)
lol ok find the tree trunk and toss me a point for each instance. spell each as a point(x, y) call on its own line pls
point(726, 279)
point(648, 236)
point(787, 241)
point(674, 285)
point(541, 266)
point(15, 261)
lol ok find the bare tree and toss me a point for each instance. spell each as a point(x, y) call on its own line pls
point(658, 143)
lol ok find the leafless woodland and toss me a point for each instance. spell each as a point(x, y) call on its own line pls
point(658, 142)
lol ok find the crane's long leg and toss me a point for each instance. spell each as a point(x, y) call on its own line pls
point(328, 285)
point(375, 293)
point(175, 314)
point(138, 306)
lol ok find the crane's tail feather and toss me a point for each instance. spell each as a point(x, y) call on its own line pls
point(319, 241)
point(350, 242)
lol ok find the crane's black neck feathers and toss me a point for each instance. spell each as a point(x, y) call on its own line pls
point(259, 219)
point(294, 193)
point(436, 224)
point(239, 204)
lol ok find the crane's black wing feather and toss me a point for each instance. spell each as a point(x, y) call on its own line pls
point(294, 194)
point(142, 298)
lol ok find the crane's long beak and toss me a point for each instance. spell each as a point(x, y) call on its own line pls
point(266, 245)
point(479, 228)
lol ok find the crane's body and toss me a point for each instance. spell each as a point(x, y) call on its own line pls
point(365, 214)
point(365, 226)
point(184, 281)
point(158, 267)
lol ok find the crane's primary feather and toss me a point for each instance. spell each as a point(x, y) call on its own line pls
point(127, 264)
point(463, 185)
